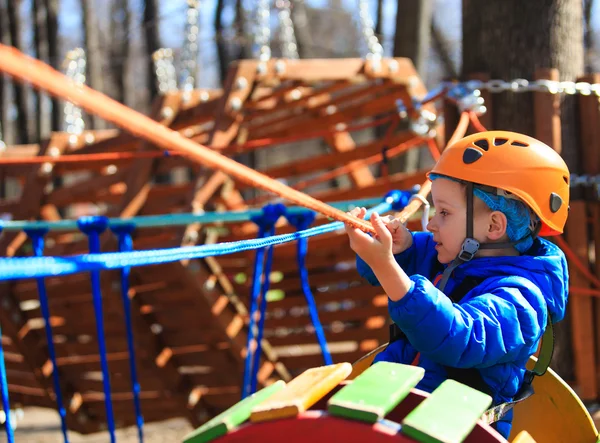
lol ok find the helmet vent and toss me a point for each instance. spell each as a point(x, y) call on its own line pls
point(500, 141)
point(555, 202)
point(521, 144)
point(482, 143)
point(471, 155)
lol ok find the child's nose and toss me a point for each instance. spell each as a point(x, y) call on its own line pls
point(431, 226)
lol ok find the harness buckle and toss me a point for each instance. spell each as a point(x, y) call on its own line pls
point(468, 250)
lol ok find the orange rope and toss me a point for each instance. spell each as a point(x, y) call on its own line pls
point(575, 260)
point(44, 77)
point(434, 149)
point(461, 128)
point(476, 122)
point(584, 291)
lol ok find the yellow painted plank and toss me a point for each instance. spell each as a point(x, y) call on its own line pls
point(301, 393)
point(523, 437)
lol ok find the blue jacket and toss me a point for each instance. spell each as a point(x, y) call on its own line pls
point(495, 328)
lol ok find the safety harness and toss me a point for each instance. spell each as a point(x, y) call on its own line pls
point(472, 377)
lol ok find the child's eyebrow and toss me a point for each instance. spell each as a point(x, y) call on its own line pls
point(438, 202)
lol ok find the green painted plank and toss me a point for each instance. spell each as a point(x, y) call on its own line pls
point(448, 415)
point(375, 392)
point(232, 417)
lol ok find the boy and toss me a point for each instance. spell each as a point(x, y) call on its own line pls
point(493, 193)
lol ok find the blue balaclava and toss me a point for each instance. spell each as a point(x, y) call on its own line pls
point(520, 220)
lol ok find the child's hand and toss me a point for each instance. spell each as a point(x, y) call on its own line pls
point(401, 237)
point(373, 250)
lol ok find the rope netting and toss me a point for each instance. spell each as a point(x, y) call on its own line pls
point(43, 77)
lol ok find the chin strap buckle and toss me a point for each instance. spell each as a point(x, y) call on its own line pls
point(468, 250)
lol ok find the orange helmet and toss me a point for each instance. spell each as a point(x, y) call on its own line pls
point(518, 164)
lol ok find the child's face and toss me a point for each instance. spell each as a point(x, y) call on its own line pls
point(449, 224)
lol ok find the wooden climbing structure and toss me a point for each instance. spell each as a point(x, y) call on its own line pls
point(189, 317)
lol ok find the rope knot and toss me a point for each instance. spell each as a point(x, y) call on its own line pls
point(399, 199)
point(35, 232)
point(92, 224)
point(270, 215)
point(123, 228)
point(301, 220)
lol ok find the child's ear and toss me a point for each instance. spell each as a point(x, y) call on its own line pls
point(497, 225)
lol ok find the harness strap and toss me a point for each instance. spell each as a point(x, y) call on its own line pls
point(472, 377)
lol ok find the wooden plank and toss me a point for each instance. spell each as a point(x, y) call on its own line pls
point(361, 174)
point(327, 119)
point(301, 393)
point(448, 415)
point(30, 345)
point(356, 334)
point(236, 90)
point(312, 70)
point(302, 362)
point(319, 106)
point(374, 393)
point(233, 417)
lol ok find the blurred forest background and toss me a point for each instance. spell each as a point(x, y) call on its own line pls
point(446, 39)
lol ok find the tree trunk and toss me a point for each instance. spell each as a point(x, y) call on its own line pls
point(442, 46)
point(152, 38)
point(304, 38)
point(379, 20)
point(51, 8)
point(20, 93)
point(413, 24)
point(508, 45)
point(119, 47)
point(588, 35)
point(411, 40)
point(240, 26)
point(221, 44)
point(93, 67)
point(40, 40)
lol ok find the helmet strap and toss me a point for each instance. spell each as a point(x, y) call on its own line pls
point(470, 246)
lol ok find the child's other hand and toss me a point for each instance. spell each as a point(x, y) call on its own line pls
point(401, 237)
point(373, 250)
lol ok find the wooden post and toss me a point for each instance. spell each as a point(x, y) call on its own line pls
point(589, 111)
point(546, 109)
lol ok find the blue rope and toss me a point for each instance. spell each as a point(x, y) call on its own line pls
point(10, 433)
point(263, 313)
point(266, 223)
point(93, 227)
point(148, 221)
point(301, 222)
point(256, 276)
point(37, 240)
point(34, 267)
point(123, 233)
